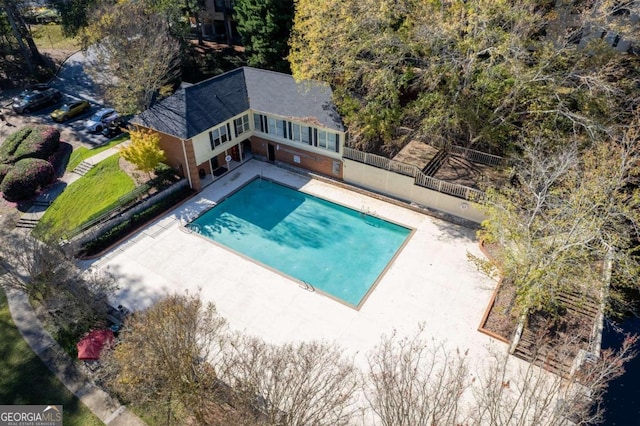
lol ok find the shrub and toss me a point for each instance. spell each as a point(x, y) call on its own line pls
point(4, 169)
point(25, 178)
point(119, 231)
point(11, 144)
point(30, 142)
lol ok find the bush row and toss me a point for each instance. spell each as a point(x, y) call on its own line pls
point(25, 178)
point(122, 229)
point(23, 169)
point(30, 142)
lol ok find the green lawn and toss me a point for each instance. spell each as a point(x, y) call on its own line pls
point(24, 379)
point(86, 198)
point(49, 36)
point(83, 153)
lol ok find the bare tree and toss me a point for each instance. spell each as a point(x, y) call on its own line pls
point(168, 353)
point(530, 395)
point(74, 299)
point(412, 381)
point(293, 384)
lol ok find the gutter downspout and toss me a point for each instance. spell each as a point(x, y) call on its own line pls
point(186, 162)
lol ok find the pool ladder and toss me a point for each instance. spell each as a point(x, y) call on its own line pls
point(367, 212)
point(305, 285)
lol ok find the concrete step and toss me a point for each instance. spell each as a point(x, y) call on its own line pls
point(83, 168)
point(432, 167)
point(26, 223)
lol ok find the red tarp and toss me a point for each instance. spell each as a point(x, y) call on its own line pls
point(91, 345)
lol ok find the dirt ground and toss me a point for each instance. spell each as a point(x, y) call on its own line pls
point(454, 169)
point(460, 171)
point(416, 153)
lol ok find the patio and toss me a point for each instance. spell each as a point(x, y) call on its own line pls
point(430, 282)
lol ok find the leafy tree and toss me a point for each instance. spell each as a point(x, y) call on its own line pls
point(265, 27)
point(135, 53)
point(74, 14)
point(567, 212)
point(166, 353)
point(144, 150)
point(458, 72)
point(176, 11)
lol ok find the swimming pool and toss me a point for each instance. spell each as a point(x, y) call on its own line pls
point(333, 249)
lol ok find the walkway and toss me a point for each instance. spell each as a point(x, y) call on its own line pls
point(66, 369)
point(31, 217)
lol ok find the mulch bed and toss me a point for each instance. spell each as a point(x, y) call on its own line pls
point(502, 320)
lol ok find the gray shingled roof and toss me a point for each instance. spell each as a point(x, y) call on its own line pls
point(196, 108)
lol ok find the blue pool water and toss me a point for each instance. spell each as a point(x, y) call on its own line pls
point(337, 250)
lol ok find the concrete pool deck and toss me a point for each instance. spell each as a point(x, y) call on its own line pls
point(431, 281)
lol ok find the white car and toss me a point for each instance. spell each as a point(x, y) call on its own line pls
point(100, 119)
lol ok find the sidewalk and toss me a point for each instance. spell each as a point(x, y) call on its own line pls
point(42, 201)
point(66, 370)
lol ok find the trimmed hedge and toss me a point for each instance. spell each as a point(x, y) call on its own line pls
point(25, 178)
point(4, 169)
point(30, 142)
point(119, 231)
point(12, 142)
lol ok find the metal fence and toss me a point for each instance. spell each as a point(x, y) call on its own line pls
point(477, 156)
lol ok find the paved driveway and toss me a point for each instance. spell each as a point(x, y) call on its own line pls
point(74, 82)
point(73, 79)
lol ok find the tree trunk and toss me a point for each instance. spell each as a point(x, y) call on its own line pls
point(227, 23)
point(10, 11)
point(199, 29)
point(26, 33)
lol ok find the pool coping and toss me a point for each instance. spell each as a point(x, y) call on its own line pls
point(301, 283)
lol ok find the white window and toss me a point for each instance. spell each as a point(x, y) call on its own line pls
point(304, 132)
point(241, 124)
point(322, 139)
point(219, 136)
point(332, 141)
point(295, 132)
point(272, 126)
point(257, 122)
point(281, 129)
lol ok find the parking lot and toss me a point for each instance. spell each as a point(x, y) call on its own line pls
point(71, 131)
point(74, 84)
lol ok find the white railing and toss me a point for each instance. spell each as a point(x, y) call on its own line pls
point(477, 156)
point(410, 170)
point(404, 169)
point(448, 188)
point(355, 155)
point(381, 162)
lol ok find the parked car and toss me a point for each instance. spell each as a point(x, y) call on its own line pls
point(38, 87)
point(114, 128)
point(70, 110)
point(36, 99)
point(100, 119)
